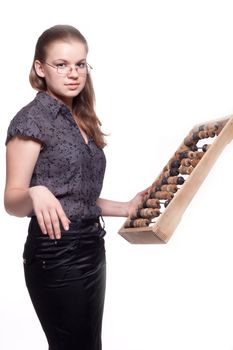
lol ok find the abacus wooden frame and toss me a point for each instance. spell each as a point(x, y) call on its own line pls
point(165, 225)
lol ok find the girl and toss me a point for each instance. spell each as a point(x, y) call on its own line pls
point(55, 170)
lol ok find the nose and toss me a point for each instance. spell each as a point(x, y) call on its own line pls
point(73, 72)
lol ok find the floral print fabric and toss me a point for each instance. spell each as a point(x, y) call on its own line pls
point(71, 169)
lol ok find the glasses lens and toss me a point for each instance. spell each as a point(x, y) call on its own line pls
point(63, 69)
point(81, 69)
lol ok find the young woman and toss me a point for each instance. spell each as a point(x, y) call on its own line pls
point(55, 170)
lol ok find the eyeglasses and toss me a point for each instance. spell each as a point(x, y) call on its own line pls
point(65, 69)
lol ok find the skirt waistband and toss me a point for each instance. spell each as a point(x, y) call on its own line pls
point(85, 238)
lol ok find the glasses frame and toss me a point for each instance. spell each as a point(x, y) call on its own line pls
point(88, 67)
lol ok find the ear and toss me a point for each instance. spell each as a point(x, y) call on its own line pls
point(39, 68)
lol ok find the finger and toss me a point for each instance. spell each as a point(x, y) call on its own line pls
point(55, 223)
point(48, 224)
point(63, 218)
point(147, 189)
point(40, 220)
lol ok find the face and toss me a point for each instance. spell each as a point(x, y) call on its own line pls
point(64, 83)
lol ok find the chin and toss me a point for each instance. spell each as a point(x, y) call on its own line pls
point(73, 92)
point(64, 96)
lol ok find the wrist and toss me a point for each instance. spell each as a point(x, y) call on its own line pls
point(33, 189)
point(127, 210)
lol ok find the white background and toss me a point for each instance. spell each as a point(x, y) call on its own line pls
point(160, 67)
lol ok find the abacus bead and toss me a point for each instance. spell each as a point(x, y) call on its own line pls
point(183, 155)
point(164, 181)
point(194, 162)
point(169, 188)
point(205, 147)
point(195, 137)
point(180, 180)
point(186, 170)
point(186, 161)
point(141, 222)
point(152, 203)
point(199, 155)
point(164, 195)
point(211, 133)
point(167, 202)
point(166, 173)
point(135, 214)
point(149, 213)
point(136, 223)
point(191, 154)
point(188, 141)
point(193, 148)
point(203, 134)
point(172, 180)
point(174, 172)
point(175, 163)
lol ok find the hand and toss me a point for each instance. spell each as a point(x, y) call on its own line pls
point(49, 211)
point(134, 202)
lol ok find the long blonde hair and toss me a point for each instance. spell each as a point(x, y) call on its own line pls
point(83, 104)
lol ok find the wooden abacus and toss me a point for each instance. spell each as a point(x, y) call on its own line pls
point(161, 210)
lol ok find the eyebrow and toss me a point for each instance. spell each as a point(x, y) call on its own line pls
point(62, 59)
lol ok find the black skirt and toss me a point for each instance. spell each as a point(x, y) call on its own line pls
point(66, 282)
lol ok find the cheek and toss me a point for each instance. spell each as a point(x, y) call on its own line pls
point(52, 81)
point(84, 80)
point(82, 83)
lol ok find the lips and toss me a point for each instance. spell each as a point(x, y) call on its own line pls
point(73, 85)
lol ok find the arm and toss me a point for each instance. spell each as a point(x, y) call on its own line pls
point(113, 208)
point(124, 209)
point(20, 199)
point(21, 157)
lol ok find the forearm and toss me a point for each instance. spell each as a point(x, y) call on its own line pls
point(18, 202)
point(113, 208)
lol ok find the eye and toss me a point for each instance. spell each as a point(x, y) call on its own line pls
point(61, 65)
point(81, 65)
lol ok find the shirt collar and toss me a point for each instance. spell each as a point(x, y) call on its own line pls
point(52, 105)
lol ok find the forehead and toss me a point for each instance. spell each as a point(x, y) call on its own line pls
point(67, 50)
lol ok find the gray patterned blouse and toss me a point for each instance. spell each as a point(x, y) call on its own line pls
point(71, 169)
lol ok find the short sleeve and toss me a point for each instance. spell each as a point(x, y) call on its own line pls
point(25, 125)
